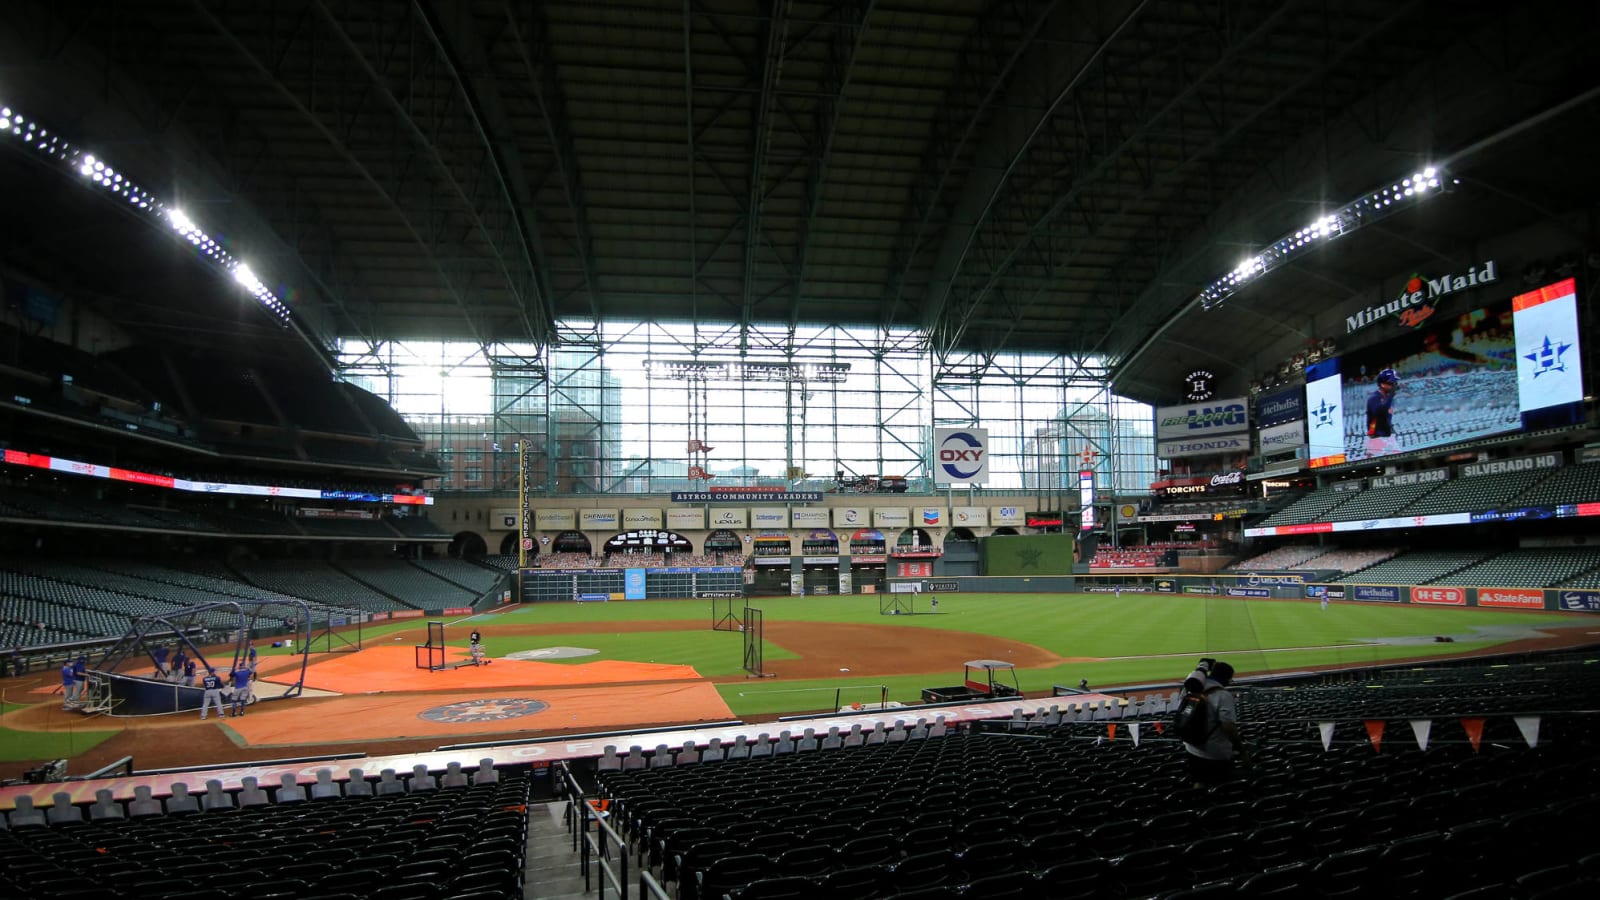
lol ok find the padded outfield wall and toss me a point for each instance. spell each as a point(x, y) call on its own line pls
point(1027, 555)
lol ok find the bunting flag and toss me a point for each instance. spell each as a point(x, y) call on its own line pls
point(1529, 726)
point(1133, 731)
point(1327, 734)
point(1474, 729)
point(1375, 733)
point(1111, 731)
point(1422, 728)
point(1161, 727)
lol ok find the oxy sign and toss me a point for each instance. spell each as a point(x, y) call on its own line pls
point(960, 455)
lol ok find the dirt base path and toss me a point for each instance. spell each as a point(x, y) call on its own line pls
point(828, 649)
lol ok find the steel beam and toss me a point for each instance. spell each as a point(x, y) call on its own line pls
point(524, 286)
point(776, 30)
point(843, 50)
point(538, 65)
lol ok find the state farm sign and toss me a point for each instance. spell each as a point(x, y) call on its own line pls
point(1441, 596)
point(1516, 598)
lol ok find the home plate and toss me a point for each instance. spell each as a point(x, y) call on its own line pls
point(551, 653)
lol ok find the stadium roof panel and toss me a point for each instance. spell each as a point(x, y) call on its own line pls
point(1022, 174)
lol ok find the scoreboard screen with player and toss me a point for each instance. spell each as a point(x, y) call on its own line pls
point(1509, 366)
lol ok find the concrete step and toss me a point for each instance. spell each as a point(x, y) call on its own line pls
point(553, 871)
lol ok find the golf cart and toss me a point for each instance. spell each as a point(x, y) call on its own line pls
point(979, 683)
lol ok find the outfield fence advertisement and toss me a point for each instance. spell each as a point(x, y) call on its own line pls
point(1294, 586)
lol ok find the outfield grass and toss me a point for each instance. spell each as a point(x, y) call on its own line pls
point(17, 745)
point(1133, 639)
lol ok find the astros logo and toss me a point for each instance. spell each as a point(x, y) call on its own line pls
point(492, 709)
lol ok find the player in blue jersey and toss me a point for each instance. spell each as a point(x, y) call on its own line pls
point(241, 689)
point(1380, 414)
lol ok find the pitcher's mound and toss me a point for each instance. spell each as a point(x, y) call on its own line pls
point(552, 653)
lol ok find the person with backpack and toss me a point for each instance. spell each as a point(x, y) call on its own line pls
point(1207, 722)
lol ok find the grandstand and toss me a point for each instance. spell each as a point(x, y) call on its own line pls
point(1313, 507)
point(1527, 568)
point(1419, 567)
point(319, 581)
point(1378, 503)
point(1573, 484)
point(1288, 556)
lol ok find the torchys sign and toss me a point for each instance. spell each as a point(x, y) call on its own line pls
point(1414, 305)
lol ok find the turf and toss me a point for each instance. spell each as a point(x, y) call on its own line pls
point(16, 746)
point(1132, 639)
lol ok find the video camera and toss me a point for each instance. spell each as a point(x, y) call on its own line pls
point(1205, 665)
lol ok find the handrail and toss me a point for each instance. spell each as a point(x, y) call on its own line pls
point(587, 842)
point(650, 889)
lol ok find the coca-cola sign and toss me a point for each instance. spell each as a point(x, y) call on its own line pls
point(1227, 478)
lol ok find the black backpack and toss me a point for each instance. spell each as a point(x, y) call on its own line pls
point(1194, 721)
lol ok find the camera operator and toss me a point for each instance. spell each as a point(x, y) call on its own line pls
point(1212, 762)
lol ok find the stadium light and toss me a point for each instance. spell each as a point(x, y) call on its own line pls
point(100, 174)
point(1369, 207)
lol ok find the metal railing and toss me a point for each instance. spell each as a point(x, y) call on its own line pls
point(596, 846)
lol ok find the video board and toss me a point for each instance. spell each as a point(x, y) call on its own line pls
point(1508, 366)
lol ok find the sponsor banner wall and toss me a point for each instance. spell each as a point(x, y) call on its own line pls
point(641, 518)
point(890, 517)
point(1579, 601)
point(1316, 591)
point(1514, 464)
point(1426, 476)
point(851, 516)
point(730, 518)
point(597, 519)
point(1203, 446)
point(1005, 515)
point(1284, 437)
point(1383, 593)
point(686, 519)
point(1284, 406)
point(1249, 592)
point(1166, 586)
point(969, 516)
point(1228, 415)
point(555, 519)
point(1511, 598)
point(1439, 596)
point(931, 516)
point(505, 518)
point(809, 518)
point(769, 517)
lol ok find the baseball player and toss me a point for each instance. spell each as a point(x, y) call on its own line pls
point(1380, 409)
point(211, 682)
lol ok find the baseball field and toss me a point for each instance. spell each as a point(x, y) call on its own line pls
point(565, 668)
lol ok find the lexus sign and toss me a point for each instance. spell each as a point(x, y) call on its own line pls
point(960, 455)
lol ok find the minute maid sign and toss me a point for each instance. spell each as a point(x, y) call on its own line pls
point(1414, 304)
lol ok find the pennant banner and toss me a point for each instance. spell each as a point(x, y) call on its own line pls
point(1529, 726)
point(1327, 734)
point(1375, 733)
point(1422, 728)
point(1474, 729)
point(1133, 732)
point(1161, 727)
point(1111, 731)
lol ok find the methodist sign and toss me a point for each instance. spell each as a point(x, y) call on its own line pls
point(960, 455)
point(1229, 415)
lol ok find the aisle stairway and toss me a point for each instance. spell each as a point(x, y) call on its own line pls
point(553, 871)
